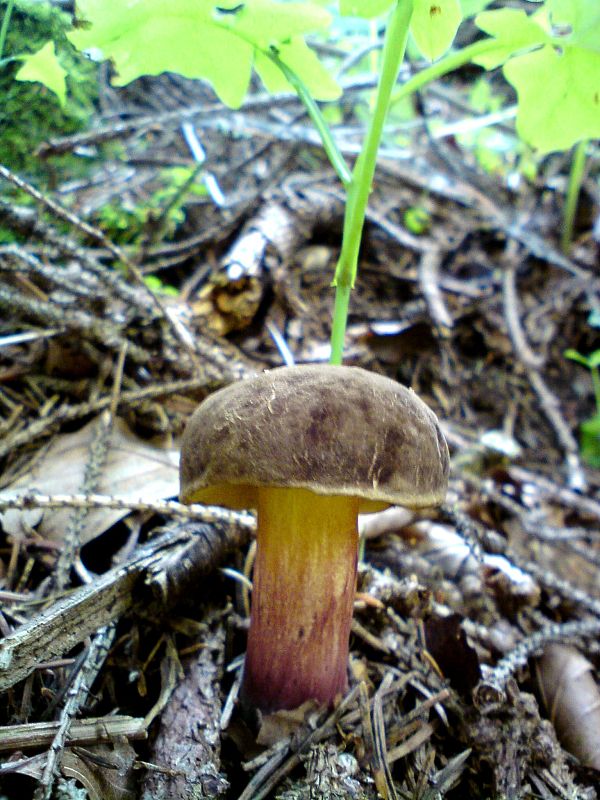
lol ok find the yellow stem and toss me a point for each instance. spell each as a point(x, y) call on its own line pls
point(304, 584)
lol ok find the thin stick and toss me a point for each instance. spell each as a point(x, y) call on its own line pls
point(169, 508)
point(98, 235)
point(97, 455)
point(76, 696)
point(33, 735)
point(491, 688)
point(329, 145)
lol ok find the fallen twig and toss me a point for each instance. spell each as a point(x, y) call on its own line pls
point(33, 735)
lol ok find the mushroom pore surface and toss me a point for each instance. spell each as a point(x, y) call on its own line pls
point(330, 429)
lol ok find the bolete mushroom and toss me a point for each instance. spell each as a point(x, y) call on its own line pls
point(309, 447)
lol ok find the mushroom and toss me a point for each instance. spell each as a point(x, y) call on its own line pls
point(309, 447)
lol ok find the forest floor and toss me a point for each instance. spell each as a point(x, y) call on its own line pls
point(474, 644)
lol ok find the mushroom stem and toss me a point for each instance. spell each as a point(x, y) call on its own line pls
point(302, 600)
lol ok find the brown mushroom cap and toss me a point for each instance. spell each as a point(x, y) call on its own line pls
point(330, 429)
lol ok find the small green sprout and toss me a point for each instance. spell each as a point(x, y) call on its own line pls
point(154, 283)
point(417, 220)
point(590, 428)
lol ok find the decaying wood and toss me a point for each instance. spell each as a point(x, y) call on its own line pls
point(165, 563)
point(189, 762)
point(66, 623)
point(229, 299)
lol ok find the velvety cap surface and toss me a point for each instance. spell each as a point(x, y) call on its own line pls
point(330, 429)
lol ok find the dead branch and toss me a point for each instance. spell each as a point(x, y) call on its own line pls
point(166, 564)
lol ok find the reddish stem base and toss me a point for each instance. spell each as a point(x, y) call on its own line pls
point(302, 600)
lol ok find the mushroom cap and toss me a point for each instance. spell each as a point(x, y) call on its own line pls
point(333, 430)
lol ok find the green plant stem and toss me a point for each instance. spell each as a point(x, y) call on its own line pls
point(160, 224)
point(460, 58)
point(358, 184)
point(573, 190)
point(360, 187)
point(448, 64)
point(596, 384)
point(5, 23)
point(338, 326)
point(314, 112)
point(362, 175)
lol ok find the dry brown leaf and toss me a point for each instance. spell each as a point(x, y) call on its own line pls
point(134, 470)
point(282, 724)
point(105, 771)
point(572, 699)
point(31, 766)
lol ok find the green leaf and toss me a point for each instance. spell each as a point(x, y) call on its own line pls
point(364, 8)
point(434, 24)
point(153, 37)
point(417, 220)
point(198, 38)
point(552, 59)
point(590, 440)
point(43, 67)
point(266, 22)
point(591, 362)
point(154, 283)
point(300, 59)
point(581, 16)
point(559, 96)
point(471, 7)
point(513, 30)
point(283, 29)
point(575, 355)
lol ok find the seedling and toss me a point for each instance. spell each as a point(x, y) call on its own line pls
point(551, 57)
point(417, 220)
point(128, 220)
point(590, 428)
point(154, 283)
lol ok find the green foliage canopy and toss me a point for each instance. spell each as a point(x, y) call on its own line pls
point(552, 59)
point(221, 42)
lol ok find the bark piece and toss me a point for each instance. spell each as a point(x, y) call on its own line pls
point(187, 747)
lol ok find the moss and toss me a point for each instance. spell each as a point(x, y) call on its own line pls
point(30, 113)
